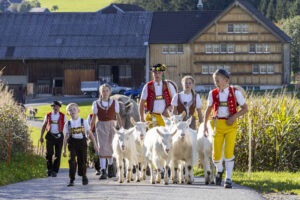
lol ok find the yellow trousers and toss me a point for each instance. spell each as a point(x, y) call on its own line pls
point(223, 132)
point(155, 120)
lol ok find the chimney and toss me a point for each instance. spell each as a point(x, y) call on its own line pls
point(200, 5)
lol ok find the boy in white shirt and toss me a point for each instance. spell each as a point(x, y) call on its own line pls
point(75, 131)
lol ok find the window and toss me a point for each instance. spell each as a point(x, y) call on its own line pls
point(230, 28)
point(259, 48)
point(204, 69)
point(223, 48)
point(230, 48)
point(266, 48)
point(172, 49)
point(125, 71)
point(165, 49)
point(251, 48)
point(180, 48)
point(216, 48)
point(104, 72)
point(270, 69)
point(255, 69)
point(237, 28)
point(263, 69)
point(212, 69)
point(208, 48)
point(227, 68)
point(244, 28)
point(220, 67)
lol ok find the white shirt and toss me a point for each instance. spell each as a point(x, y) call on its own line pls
point(75, 124)
point(89, 119)
point(105, 104)
point(186, 98)
point(159, 105)
point(54, 117)
point(223, 112)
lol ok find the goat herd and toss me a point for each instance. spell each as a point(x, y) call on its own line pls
point(174, 147)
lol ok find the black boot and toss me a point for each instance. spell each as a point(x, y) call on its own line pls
point(97, 173)
point(85, 180)
point(110, 171)
point(71, 183)
point(228, 183)
point(219, 178)
point(53, 174)
point(103, 174)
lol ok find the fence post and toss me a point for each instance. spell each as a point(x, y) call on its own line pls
point(31, 155)
point(250, 146)
point(25, 151)
point(8, 149)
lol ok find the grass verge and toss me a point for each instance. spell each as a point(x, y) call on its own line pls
point(17, 171)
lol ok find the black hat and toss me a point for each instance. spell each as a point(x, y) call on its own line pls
point(223, 72)
point(56, 103)
point(158, 68)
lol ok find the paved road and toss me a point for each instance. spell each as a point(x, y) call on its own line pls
point(55, 188)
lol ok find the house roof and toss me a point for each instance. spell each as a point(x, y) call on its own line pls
point(117, 7)
point(180, 26)
point(74, 35)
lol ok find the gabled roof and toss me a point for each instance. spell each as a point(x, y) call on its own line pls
point(74, 35)
point(121, 8)
point(180, 26)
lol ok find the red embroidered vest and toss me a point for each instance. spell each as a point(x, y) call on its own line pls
point(231, 101)
point(61, 121)
point(151, 95)
point(93, 128)
point(106, 115)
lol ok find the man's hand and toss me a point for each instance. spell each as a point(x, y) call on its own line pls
point(41, 139)
point(231, 120)
point(64, 153)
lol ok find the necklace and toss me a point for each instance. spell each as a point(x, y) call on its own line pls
point(105, 107)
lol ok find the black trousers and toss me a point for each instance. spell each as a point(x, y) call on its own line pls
point(77, 149)
point(53, 146)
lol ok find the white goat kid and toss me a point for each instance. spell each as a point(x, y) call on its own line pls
point(158, 144)
point(184, 152)
point(205, 152)
point(124, 148)
point(140, 129)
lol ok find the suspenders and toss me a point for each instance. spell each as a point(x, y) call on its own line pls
point(78, 130)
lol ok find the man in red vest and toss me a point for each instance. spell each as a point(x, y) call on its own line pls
point(158, 95)
point(53, 123)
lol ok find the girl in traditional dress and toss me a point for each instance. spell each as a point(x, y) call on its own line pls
point(105, 109)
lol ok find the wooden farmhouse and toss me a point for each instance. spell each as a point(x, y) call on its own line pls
point(56, 51)
point(239, 39)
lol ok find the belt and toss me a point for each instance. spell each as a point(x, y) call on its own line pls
point(224, 118)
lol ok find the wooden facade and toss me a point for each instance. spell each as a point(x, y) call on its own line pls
point(241, 62)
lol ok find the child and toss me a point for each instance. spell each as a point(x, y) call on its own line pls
point(91, 152)
point(75, 131)
point(223, 101)
point(188, 101)
point(105, 109)
point(53, 123)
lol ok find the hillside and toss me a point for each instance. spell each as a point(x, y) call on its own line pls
point(75, 5)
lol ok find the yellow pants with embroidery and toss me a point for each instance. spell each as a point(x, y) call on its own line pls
point(155, 120)
point(223, 132)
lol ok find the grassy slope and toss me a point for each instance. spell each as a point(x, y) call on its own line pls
point(76, 5)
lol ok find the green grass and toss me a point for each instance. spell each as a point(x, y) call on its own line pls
point(17, 171)
point(85, 108)
point(265, 182)
point(75, 5)
point(35, 137)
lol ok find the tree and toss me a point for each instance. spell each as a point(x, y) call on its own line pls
point(54, 8)
point(270, 10)
point(4, 4)
point(292, 28)
point(296, 8)
point(26, 5)
point(263, 6)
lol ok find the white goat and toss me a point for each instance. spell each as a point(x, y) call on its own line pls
point(184, 151)
point(158, 144)
point(140, 129)
point(205, 152)
point(124, 148)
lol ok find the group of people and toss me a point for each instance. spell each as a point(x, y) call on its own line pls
point(159, 97)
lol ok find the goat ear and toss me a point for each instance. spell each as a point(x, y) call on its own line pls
point(170, 113)
point(166, 120)
point(189, 121)
point(158, 132)
point(174, 133)
point(183, 114)
point(128, 107)
point(132, 121)
point(130, 131)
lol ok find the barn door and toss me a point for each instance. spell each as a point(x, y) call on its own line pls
point(73, 78)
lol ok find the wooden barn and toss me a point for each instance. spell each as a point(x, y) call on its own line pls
point(56, 51)
point(239, 39)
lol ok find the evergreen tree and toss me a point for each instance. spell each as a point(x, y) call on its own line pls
point(270, 10)
point(296, 8)
point(27, 5)
point(263, 6)
point(281, 11)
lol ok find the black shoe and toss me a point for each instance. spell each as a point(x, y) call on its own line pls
point(219, 178)
point(103, 174)
point(97, 173)
point(71, 183)
point(49, 173)
point(110, 171)
point(53, 174)
point(133, 170)
point(228, 183)
point(85, 180)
